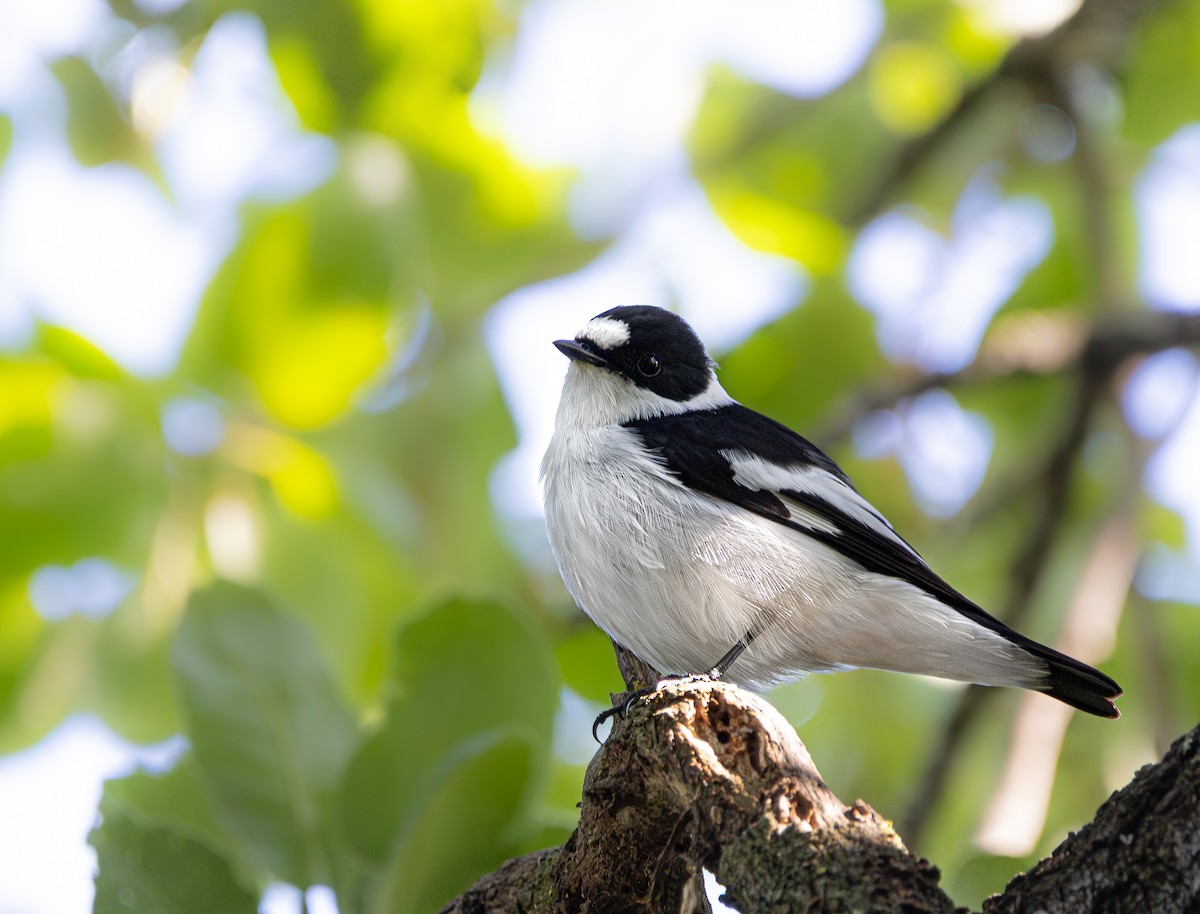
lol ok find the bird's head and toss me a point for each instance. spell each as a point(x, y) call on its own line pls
point(634, 362)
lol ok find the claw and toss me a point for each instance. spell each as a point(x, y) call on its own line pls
point(602, 717)
point(621, 710)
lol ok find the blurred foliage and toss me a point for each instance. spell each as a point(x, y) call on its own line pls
point(323, 601)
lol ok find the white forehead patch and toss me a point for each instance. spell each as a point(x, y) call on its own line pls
point(606, 332)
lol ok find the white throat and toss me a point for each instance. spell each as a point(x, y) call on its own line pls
point(595, 397)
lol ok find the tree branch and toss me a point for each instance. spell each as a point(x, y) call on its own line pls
point(1034, 345)
point(1142, 852)
point(1097, 35)
point(706, 776)
point(709, 776)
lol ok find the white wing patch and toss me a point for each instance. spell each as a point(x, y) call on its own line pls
point(753, 472)
point(606, 332)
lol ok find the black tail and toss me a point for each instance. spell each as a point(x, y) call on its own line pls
point(1075, 683)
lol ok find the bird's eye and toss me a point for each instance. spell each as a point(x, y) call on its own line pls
point(648, 366)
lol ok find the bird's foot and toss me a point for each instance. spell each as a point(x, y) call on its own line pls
point(620, 709)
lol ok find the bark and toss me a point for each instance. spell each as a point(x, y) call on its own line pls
point(1141, 853)
point(704, 775)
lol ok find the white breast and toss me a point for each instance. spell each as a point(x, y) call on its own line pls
point(678, 577)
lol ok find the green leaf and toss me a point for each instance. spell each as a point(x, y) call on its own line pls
point(303, 306)
point(151, 869)
point(22, 639)
point(1163, 524)
point(175, 800)
point(461, 827)
point(173, 810)
point(87, 460)
point(80, 357)
point(126, 677)
point(465, 669)
point(270, 734)
point(814, 156)
point(1164, 74)
point(797, 368)
point(81, 463)
point(96, 131)
point(6, 135)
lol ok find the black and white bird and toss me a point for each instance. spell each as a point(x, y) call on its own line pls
point(709, 539)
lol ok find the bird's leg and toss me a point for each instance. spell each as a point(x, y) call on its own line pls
point(731, 655)
point(635, 672)
point(722, 666)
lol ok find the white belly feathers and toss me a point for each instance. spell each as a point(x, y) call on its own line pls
point(678, 578)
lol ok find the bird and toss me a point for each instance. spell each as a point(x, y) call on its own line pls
point(710, 540)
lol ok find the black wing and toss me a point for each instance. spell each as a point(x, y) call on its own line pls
point(693, 447)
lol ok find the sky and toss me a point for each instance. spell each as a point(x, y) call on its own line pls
point(101, 252)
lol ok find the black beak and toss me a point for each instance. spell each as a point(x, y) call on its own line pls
point(579, 352)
